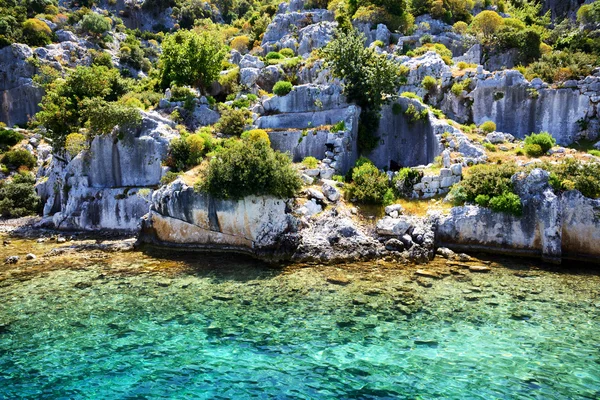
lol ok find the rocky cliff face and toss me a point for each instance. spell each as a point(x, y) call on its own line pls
point(552, 227)
point(109, 185)
point(19, 96)
point(181, 217)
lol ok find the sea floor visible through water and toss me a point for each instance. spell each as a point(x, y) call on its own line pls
point(153, 325)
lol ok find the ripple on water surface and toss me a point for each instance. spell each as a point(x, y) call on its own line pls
point(138, 326)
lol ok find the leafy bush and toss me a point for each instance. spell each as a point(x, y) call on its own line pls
point(429, 83)
point(508, 203)
point(257, 135)
point(488, 127)
point(573, 174)
point(36, 32)
point(543, 139)
point(233, 121)
point(9, 138)
point(19, 158)
point(369, 185)
point(18, 197)
point(460, 27)
point(75, 143)
point(404, 181)
point(250, 167)
point(191, 58)
point(310, 162)
point(489, 147)
point(169, 178)
point(533, 150)
point(559, 66)
point(484, 184)
point(95, 24)
point(273, 55)
point(339, 126)
point(487, 23)
point(102, 116)
point(188, 150)
point(282, 88)
point(287, 53)
point(240, 44)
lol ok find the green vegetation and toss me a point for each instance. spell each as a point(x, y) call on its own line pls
point(9, 138)
point(69, 103)
point(369, 185)
point(572, 174)
point(19, 158)
point(404, 181)
point(489, 186)
point(233, 121)
point(429, 83)
point(282, 88)
point(250, 167)
point(36, 32)
point(191, 58)
point(310, 162)
point(543, 139)
point(371, 80)
point(189, 150)
point(488, 127)
point(95, 24)
point(18, 197)
point(533, 150)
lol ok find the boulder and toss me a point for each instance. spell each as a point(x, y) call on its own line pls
point(250, 61)
point(249, 76)
point(330, 192)
point(388, 226)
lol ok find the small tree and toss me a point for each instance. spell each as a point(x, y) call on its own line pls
point(95, 24)
point(36, 32)
point(191, 58)
point(487, 23)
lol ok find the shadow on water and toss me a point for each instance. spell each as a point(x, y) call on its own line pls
point(219, 266)
point(525, 264)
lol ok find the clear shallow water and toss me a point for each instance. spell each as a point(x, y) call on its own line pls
point(132, 326)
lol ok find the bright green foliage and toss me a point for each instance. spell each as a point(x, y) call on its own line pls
point(36, 32)
point(13, 15)
point(95, 24)
point(533, 150)
point(75, 143)
point(63, 103)
point(282, 88)
point(339, 126)
point(19, 158)
point(489, 184)
point(233, 121)
point(250, 167)
point(287, 53)
point(189, 150)
point(560, 66)
point(369, 185)
point(191, 58)
point(369, 78)
point(508, 203)
point(543, 139)
point(487, 23)
point(573, 174)
point(18, 197)
point(310, 162)
point(429, 83)
point(589, 13)
point(102, 116)
point(404, 181)
point(488, 127)
point(273, 55)
point(9, 138)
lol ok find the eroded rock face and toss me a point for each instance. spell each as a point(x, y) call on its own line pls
point(552, 226)
point(518, 108)
point(19, 96)
point(180, 216)
point(109, 185)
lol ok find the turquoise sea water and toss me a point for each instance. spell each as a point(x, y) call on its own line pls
point(136, 327)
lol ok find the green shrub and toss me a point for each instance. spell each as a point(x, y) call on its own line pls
point(287, 53)
point(36, 32)
point(482, 200)
point(595, 153)
point(169, 178)
point(282, 88)
point(310, 162)
point(533, 150)
point(369, 185)
point(273, 55)
point(484, 179)
point(75, 143)
point(18, 197)
point(429, 83)
point(508, 203)
point(19, 158)
point(340, 126)
point(489, 147)
point(404, 181)
point(233, 121)
point(543, 139)
point(250, 167)
point(488, 127)
point(188, 150)
point(573, 174)
point(95, 24)
point(9, 138)
point(102, 116)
